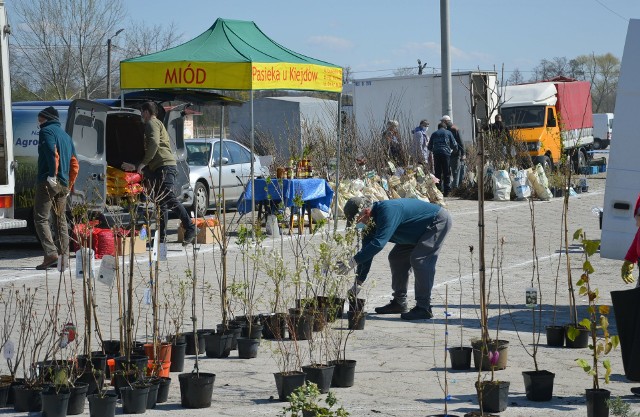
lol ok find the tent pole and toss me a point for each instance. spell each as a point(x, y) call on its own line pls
point(337, 186)
point(122, 98)
point(219, 201)
point(253, 187)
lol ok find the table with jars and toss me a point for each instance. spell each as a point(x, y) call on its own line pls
point(300, 195)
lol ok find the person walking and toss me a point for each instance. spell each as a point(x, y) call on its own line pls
point(57, 171)
point(420, 143)
point(159, 168)
point(418, 230)
point(457, 155)
point(442, 144)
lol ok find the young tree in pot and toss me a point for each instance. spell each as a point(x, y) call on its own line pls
point(538, 383)
point(597, 323)
point(175, 302)
point(305, 398)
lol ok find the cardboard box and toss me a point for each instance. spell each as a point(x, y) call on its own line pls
point(206, 234)
point(124, 246)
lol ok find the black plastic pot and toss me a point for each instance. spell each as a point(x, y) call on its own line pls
point(196, 390)
point(287, 382)
point(178, 351)
point(137, 363)
point(98, 361)
point(480, 357)
point(460, 357)
point(16, 382)
point(93, 378)
point(235, 331)
point(538, 385)
point(163, 390)
point(357, 320)
point(111, 347)
point(134, 399)
point(122, 379)
point(77, 398)
point(191, 347)
point(152, 398)
point(555, 336)
point(581, 341)
point(256, 331)
point(300, 326)
point(597, 405)
point(274, 325)
point(357, 304)
point(177, 339)
point(218, 345)
point(321, 375)
point(344, 373)
point(54, 404)
point(4, 394)
point(248, 347)
point(493, 397)
point(27, 398)
point(102, 406)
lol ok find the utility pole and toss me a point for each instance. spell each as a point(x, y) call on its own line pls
point(109, 62)
point(447, 104)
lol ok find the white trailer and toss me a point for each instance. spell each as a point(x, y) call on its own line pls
point(7, 163)
point(622, 186)
point(409, 99)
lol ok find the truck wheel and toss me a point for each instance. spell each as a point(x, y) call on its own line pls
point(200, 199)
point(579, 161)
point(597, 144)
point(545, 161)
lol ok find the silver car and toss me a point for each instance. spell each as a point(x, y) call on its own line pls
point(203, 156)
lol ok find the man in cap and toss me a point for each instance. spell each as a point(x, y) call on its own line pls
point(159, 168)
point(441, 145)
point(457, 156)
point(418, 230)
point(57, 171)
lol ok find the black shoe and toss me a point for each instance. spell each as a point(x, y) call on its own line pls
point(417, 313)
point(189, 236)
point(394, 307)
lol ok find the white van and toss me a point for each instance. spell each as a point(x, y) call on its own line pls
point(602, 130)
point(623, 170)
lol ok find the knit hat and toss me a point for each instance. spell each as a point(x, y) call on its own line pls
point(353, 207)
point(49, 113)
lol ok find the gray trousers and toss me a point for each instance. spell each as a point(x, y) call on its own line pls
point(51, 202)
point(422, 257)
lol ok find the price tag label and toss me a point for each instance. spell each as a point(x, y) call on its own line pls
point(9, 350)
point(107, 272)
point(147, 296)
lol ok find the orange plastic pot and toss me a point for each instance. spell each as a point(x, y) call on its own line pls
point(165, 351)
point(162, 372)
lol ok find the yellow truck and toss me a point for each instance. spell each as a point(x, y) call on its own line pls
point(551, 118)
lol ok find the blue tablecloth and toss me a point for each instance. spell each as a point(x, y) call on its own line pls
point(315, 192)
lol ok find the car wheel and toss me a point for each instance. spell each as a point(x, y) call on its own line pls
point(200, 199)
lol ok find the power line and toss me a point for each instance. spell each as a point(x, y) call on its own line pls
point(612, 11)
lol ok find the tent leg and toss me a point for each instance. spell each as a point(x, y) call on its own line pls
point(337, 190)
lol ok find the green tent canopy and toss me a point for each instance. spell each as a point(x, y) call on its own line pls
point(230, 55)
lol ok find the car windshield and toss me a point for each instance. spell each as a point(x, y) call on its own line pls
point(525, 116)
point(198, 153)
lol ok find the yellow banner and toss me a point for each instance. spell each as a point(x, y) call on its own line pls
point(230, 76)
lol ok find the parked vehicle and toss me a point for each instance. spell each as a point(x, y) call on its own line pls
point(602, 129)
point(622, 186)
point(409, 99)
point(203, 157)
point(551, 117)
point(117, 136)
point(8, 165)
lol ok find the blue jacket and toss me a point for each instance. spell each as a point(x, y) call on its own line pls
point(402, 221)
point(54, 140)
point(442, 142)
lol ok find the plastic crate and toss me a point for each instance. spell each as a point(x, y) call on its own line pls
point(602, 168)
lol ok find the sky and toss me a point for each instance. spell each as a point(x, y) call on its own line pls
point(375, 37)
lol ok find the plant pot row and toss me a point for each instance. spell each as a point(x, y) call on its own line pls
point(558, 336)
point(334, 374)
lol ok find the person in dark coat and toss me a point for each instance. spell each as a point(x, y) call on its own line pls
point(418, 230)
point(442, 144)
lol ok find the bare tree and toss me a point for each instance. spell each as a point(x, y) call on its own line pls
point(399, 72)
point(143, 39)
point(61, 51)
point(516, 77)
point(603, 72)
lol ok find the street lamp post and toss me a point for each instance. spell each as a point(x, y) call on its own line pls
point(109, 62)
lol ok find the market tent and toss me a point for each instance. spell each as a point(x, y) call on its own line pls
point(233, 55)
point(230, 55)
